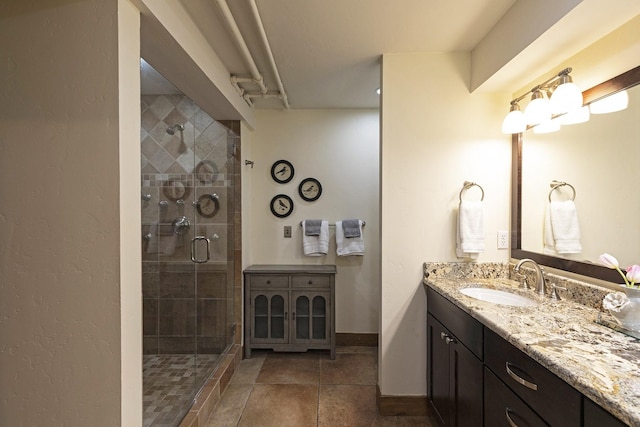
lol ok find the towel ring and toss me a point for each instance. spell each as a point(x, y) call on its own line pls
point(557, 184)
point(467, 185)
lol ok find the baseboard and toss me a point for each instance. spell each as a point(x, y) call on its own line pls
point(364, 340)
point(402, 405)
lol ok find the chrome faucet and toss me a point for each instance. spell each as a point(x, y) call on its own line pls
point(539, 273)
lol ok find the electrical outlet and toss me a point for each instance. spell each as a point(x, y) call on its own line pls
point(503, 239)
point(287, 231)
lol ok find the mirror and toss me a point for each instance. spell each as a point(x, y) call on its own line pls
point(597, 159)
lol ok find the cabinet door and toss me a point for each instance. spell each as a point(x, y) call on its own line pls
point(595, 416)
point(269, 317)
point(454, 378)
point(438, 371)
point(311, 321)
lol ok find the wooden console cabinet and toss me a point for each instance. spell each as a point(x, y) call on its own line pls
point(289, 308)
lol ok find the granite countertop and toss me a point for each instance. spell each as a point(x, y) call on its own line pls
point(599, 362)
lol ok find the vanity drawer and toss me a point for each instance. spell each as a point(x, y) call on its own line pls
point(269, 281)
point(555, 401)
point(502, 407)
point(467, 329)
point(310, 281)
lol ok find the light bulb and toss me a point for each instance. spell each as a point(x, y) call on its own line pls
point(616, 102)
point(576, 116)
point(547, 126)
point(514, 121)
point(537, 110)
point(566, 97)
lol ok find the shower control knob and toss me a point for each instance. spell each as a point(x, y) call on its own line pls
point(181, 225)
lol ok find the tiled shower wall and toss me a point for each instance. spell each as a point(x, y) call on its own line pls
point(187, 307)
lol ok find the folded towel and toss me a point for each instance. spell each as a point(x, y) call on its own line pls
point(351, 228)
point(163, 240)
point(316, 245)
point(312, 227)
point(549, 244)
point(349, 246)
point(470, 236)
point(566, 230)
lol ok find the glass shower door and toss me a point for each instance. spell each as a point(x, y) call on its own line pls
point(187, 221)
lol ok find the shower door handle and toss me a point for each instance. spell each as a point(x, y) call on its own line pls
point(193, 250)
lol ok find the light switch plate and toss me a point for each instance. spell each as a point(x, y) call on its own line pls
point(503, 239)
point(287, 231)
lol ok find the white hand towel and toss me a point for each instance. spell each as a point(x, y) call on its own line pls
point(163, 240)
point(316, 245)
point(470, 236)
point(566, 230)
point(549, 244)
point(349, 246)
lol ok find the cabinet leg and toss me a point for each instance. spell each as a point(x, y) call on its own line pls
point(332, 353)
point(247, 352)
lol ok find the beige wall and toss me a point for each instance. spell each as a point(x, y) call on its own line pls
point(435, 135)
point(340, 149)
point(64, 256)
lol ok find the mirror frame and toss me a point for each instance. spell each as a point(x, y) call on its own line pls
point(609, 87)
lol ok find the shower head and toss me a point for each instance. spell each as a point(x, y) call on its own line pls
point(171, 130)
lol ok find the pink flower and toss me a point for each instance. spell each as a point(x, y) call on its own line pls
point(609, 261)
point(633, 273)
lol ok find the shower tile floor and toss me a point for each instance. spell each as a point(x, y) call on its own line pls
point(168, 385)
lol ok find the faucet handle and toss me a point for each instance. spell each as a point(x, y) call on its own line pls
point(554, 294)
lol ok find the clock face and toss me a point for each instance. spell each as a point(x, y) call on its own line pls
point(206, 171)
point(175, 189)
point(282, 171)
point(310, 189)
point(281, 206)
point(208, 205)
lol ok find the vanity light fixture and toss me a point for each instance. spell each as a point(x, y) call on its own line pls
point(514, 122)
point(574, 117)
point(616, 102)
point(537, 110)
point(555, 96)
point(548, 126)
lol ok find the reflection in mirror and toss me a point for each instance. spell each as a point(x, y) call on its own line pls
point(597, 159)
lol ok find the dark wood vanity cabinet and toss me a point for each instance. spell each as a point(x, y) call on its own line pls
point(289, 308)
point(595, 416)
point(549, 397)
point(454, 368)
point(475, 378)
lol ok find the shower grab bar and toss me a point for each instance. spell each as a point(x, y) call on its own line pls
point(555, 184)
point(193, 250)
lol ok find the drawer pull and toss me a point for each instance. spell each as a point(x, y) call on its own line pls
point(520, 380)
point(268, 282)
point(447, 338)
point(507, 413)
point(311, 282)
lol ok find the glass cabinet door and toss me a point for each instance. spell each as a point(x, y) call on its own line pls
point(269, 317)
point(311, 311)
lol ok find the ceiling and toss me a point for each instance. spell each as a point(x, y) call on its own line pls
point(328, 52)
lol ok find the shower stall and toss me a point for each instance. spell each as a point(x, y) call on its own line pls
point(188, 207)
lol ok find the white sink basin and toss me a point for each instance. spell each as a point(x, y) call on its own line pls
point(499, 297)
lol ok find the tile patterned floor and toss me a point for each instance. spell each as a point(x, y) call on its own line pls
point(169, 381)
point(306, 389)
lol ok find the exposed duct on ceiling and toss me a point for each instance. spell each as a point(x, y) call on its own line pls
point(256, 76)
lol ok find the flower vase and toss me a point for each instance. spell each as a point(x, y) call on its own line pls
point(624, 306)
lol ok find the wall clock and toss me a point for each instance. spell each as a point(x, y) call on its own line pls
point(208, 205)
point(310, 189)
point(282, 171)
point(206, 171)
point(175, 189)
point(281, 206)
